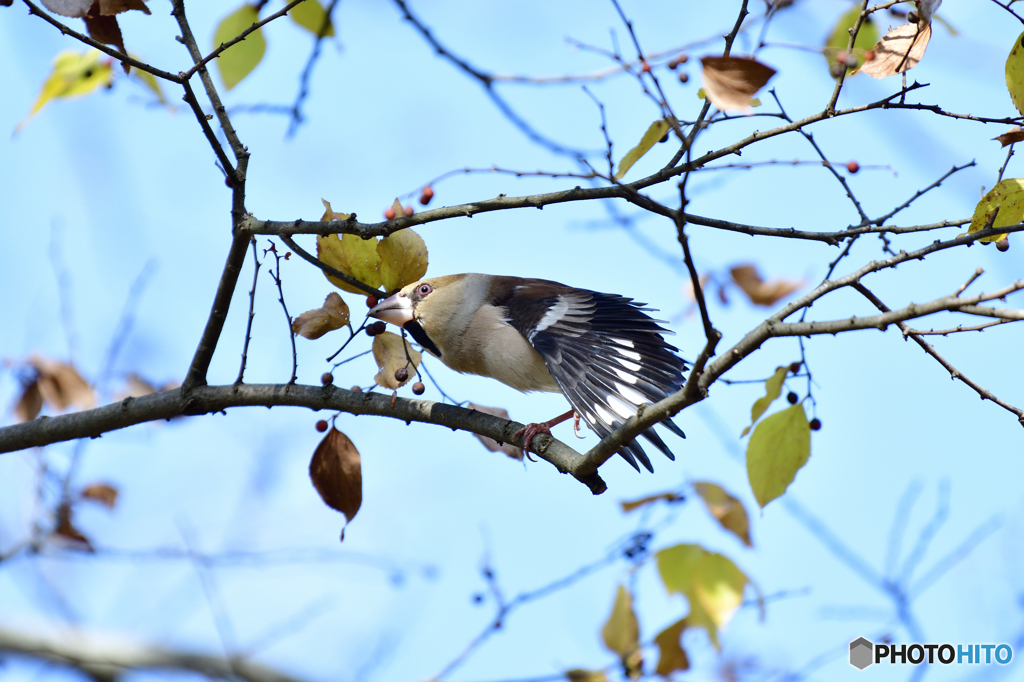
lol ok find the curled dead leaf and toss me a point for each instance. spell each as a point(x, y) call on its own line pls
point(60, 384)
point(1014, 134)
point(491, 444)
point(392, 352)
point(101, 493)
point(898, 51)
point(313, 324)
point(67, 531)
point(731, 82)
point(759, 291)
point(336, 473)
point(726, 509)
point(671, 497)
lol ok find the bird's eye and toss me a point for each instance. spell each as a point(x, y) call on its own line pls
point(424, 289)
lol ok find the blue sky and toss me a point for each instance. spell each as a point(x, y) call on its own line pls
point(122, 187)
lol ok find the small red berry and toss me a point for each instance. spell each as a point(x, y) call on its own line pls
point(401, 374)
point(371, 301)
point(684, 77)
point(321, 425)
point(1003, 244)
point(326, 378)
point(792, 398)
point(853, 166)
point(389, 213)
point(426, 195)
point(408, 211)
point(418, 388)
point(645, 67)
point(795, 367)
point(375, 329)
point(815, 424)
point(356, 389)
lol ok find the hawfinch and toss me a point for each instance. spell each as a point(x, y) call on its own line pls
point(601, 351)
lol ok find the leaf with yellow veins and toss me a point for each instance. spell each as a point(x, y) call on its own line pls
point(773, 388)
point(655, 132)
point(403, 259)
point(392, 353)
point(238, 61)
point(352, 255)
point(313, 324)
point(1008, 198)
point(779, 447)
point(74, 74)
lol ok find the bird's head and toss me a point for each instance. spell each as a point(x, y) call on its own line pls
point(432, 310)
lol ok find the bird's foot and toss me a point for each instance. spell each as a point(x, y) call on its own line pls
point(530, 431)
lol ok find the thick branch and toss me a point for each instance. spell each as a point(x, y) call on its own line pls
point(209, 399)
point(108, 658)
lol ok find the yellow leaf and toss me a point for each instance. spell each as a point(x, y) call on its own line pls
point(330, 214)
point(773, 388)
point(313, 324)
point(655, 132)
point(150, 82)
point(581, 675)
point(74, 74)
point(1008, 197)
point(677, 565)
point(726, 509)
point(403, 259)
point(351, 255)
point(392, 352)
point(779, 447)
point(718, 587)
point(311, 16)
point(621, 633)
point(838, 40)
point(238, 61)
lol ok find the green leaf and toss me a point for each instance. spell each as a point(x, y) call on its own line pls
point(655, 132)
point(1008, 196)
point(621, 633)
point(773, 388)
point(238, 61)
point(840, 38)
point(1015, 73)
point(311, 16)
point(778, 449)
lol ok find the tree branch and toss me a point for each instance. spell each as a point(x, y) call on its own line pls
point(209, 399)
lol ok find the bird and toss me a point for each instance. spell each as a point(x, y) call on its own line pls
point(601, 351)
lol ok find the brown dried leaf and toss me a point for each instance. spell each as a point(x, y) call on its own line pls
point(111, 7)
point(898, 51)
point(68, 8)
point(29, 404)
point(760, 292)
point(491, 444)
point(105, 30)
point(669, 642)
point(670, 497)
point(730, 82)
point(726, 509)
point(337, 474)
point(66, 529)
point(102, 493)
point(313, 324)
point(581, 675)
point(1014, 134)
point(389, 350)
point(61, 385)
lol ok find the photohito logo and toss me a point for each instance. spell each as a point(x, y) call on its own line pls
point(863, 653)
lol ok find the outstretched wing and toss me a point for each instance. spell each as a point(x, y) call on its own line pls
point(606, 354)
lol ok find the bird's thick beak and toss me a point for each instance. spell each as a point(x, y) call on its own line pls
point(396, 309)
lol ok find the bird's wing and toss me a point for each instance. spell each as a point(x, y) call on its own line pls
point(606, 354)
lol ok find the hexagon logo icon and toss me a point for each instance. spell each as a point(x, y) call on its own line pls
point(861, 653)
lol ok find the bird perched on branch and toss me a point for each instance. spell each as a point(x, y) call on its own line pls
point(601, 351)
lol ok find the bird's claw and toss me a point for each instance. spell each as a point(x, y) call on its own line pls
point(529, 432)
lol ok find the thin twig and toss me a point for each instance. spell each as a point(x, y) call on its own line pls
point(252, 312)
point(276, 276)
